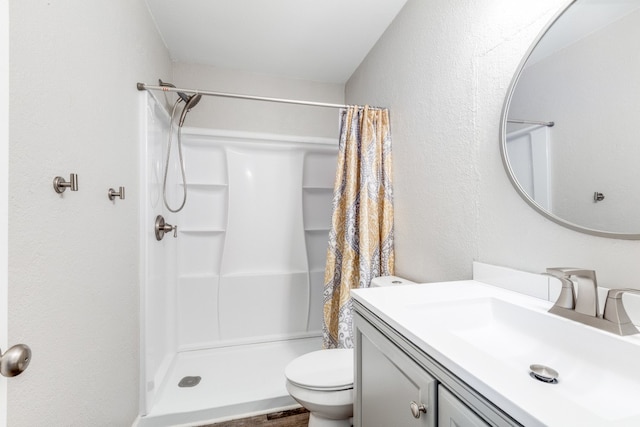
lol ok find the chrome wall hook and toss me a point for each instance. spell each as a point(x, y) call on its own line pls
point(60, 185)
point(112, 194)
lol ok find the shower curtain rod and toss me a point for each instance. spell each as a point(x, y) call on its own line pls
point(531, 122)
point(143, 86)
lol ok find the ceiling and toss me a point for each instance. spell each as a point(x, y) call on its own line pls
point(318, 40)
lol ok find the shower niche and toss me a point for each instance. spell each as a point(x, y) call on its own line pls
point(252, 239)
point(240, 288)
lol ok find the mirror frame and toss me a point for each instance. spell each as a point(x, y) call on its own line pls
point(503, 145)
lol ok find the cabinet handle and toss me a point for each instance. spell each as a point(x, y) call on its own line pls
point(417, 408)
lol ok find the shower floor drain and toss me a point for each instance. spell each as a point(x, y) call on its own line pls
point(189, 381)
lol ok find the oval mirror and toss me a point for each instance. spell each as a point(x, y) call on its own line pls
point(570, 129)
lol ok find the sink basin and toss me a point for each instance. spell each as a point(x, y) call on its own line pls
point(598, 372)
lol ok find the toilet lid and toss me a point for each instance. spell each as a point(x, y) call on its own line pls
point(322, 370)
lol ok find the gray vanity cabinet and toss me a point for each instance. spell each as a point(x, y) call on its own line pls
point(452, 412)
point(392, 389)
point(396, 384)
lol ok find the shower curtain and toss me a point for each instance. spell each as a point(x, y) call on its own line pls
point(361, 236)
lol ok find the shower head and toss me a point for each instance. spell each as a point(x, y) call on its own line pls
point(190, 103)
point(183, 96)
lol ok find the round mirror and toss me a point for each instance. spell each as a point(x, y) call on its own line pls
point(570, 130)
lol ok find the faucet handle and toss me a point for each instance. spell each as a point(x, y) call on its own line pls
point(614, 311)
point(586, 301)
point(565, 272)
point(567, 297)
point(557, 272)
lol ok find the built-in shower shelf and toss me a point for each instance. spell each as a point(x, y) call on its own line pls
point(317, 204)
point(316, 188)
point(204, 185)
point(198, 276)
point(317, 229)
point(263, 273)
point(201, 230)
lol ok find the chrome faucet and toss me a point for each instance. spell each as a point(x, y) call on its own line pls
point(584, 307)
point(586, 302)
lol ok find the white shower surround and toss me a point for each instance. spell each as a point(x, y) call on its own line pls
point(240, 289)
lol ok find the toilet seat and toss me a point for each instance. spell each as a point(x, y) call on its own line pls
point(322, 370)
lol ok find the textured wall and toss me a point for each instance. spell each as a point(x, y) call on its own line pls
point(73, 259)
point(443, 67)
point(256, 116)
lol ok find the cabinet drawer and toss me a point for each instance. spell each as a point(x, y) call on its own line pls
point(452, 412)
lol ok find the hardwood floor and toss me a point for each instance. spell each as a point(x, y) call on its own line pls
point(293, 418)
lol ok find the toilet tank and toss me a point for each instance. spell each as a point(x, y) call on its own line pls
point(381, 281)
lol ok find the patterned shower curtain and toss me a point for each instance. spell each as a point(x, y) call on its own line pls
point(361, 237)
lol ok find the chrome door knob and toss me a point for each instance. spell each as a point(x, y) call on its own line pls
point(15, 360)
point(417, 409)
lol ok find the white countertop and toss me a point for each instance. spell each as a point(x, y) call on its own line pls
point(599, 381)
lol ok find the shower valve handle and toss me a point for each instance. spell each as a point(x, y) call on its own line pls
point(162, 227)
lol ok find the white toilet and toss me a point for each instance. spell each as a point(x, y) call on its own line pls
point(322, 381)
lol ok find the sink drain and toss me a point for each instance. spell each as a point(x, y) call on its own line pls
point(189, 381)
point(544, 373)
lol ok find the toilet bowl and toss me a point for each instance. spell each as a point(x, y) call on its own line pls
point(322, 381)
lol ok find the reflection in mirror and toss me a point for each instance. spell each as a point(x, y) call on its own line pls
point(571, 122)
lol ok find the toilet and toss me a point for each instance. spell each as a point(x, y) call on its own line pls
point(322, 381)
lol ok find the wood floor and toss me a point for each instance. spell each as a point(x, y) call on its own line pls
point(293, 418)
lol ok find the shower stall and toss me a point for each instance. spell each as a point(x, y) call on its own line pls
point(237, 294)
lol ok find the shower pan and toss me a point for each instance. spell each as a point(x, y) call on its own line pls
point(238, 293)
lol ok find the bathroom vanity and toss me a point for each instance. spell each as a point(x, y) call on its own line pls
point(396, 384)
point(459, 353)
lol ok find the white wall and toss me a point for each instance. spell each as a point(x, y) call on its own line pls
point(443, 67)
point(595, 109)
point(257, 116)
point(73, 259)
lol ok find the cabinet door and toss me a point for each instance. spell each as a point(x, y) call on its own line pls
point(452, 412)
point(389, 383)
